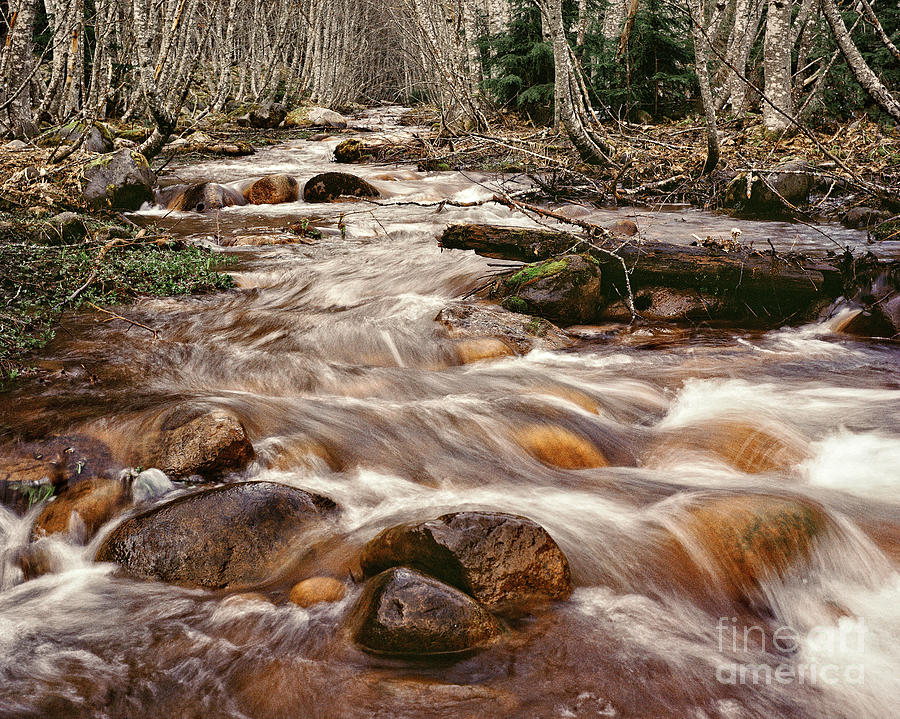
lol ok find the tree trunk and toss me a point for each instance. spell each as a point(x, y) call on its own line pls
point(777, 66)
point(861, 71)
point(18, 66)
point(701, 63)
point(566, 94)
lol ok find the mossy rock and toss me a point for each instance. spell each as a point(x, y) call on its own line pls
point(562, 289)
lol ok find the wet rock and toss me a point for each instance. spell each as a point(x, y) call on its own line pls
point(316, 590)
point(195, 441)
point(564, 289)
point(352, 151)
point(790, 182)
point(200, 197)
point(738, 542)
point(329, 186)
point(569, 394)
point(267, 116)
point(16, 145)
point(482, 348)
point(272, 190)
point(558, 447)
point(121, 180)
point(502, 560)
point(94, 501)
point(863, 217)
point(623, 228)
point(522, 333)
point(150, 484)
point(879, 320)
point(403, 612)
point(33, 471)
point(321, 116)
point(747, 447)
point(234, 535)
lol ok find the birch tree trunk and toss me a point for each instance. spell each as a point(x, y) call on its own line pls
point(777, 66)
point(16, 69)
point(858, 66)
point(701, 63)
point(567, 96)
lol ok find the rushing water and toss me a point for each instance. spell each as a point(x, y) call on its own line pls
point(330, 355)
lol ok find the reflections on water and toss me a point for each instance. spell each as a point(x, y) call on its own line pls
point(330, 355)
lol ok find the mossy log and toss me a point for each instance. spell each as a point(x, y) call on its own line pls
point(683, 283)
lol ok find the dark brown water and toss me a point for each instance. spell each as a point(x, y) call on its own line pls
point(330, 355)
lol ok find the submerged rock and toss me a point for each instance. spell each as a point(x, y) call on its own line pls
point(329, 186)
point(482, 348)
point(737, 542)
point(476, 322)
point(558, 447)
point(864, 217)
point(317, 590)
point(564, 289)
point(121, 180)
point(94, 501)
point(192, 440)
point(272, 190)
point(406, 613)
point(233, 535)
point(502, 560)
point(746, 447)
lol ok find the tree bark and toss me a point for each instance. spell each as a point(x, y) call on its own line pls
point(861, 71)
point(777, 66)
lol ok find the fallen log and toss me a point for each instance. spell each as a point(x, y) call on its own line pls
point(661, 281)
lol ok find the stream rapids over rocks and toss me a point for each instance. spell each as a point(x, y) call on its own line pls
point(730, 518)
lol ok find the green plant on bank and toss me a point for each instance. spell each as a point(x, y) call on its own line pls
point(39, 281)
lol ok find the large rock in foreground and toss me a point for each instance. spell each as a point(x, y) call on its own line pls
point(272, 190)
point(121, 180)
point(473, 321)
point(329, 186)
point(234, 535)
point(406, 613)
point(194, 441)
point(502, 560)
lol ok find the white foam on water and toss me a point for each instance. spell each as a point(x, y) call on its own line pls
point(862, 463)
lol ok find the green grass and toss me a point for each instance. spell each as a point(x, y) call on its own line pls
point(37, 280)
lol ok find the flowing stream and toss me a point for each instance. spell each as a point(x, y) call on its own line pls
point(330, 355)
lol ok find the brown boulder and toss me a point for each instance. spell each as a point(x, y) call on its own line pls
point(746, 447)
point(502, 560)
point(352, 151)
point(403, 612)
point(624, 228)
point(234, 535)
point(558, 447)
point(329, 186)
point(734, 543)
point(316, 590)
point(95, 501)
point(474, 321)
point(200, 197)
point(272, 190)
point(475, 350)
point(188, 441)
